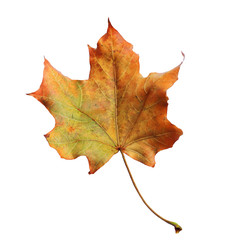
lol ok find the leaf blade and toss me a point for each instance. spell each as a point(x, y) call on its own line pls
point(115, 109)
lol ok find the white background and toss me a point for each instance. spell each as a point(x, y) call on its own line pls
point(45, 197)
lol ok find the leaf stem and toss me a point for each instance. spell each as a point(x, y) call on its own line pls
point(175, 225)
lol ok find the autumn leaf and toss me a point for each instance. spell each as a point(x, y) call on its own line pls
point(116, 109)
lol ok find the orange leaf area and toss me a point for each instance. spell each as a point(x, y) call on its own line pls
point(115, 109)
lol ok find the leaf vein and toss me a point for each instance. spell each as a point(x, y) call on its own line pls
point(81, 140)
point(149, 137)
point(97, 124)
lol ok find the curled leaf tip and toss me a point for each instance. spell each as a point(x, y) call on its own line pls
point(183, 57)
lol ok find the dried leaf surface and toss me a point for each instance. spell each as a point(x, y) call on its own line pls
point(115, 109)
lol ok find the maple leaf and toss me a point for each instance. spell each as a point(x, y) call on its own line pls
point(116, 109)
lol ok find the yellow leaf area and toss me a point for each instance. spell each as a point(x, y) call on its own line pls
point(115, 109)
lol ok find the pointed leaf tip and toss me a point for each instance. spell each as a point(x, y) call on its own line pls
point(89, 47)
point(109, 23)
point(110, 27)
point(46, 61)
